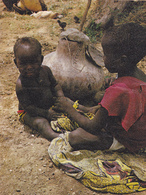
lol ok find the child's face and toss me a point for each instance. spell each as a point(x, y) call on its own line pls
point(28, 61)
point(111, 57)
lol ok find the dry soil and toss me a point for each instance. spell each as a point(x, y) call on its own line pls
point(25, 166)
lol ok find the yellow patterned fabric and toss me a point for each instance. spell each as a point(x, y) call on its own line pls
point(63, 123)
point(103, 171)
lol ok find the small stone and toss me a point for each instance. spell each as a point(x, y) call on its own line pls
point(50, 165)
point(18, 190)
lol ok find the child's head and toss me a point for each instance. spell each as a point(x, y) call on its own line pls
point(124, 46)
point(28, 56)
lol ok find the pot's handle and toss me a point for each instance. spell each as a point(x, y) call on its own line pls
point(95, 55)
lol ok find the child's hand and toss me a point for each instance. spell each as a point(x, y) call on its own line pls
point(62, 104)
point(53, 115)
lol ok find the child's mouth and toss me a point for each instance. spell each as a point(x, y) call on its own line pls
point(29, 74)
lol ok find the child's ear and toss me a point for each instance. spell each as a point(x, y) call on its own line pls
point(42, 57)
point(124, 59)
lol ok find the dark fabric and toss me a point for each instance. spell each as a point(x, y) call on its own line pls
point(9, 3)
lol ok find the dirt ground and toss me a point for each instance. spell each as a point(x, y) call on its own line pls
point(25, 166)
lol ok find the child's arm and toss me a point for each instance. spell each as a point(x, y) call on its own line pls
point(58, 90)
point(54, 84)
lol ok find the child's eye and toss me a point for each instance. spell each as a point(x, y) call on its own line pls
point(21, 65)
point(35, 64)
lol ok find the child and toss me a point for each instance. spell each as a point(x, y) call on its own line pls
point(36, 87)
point(120, 122)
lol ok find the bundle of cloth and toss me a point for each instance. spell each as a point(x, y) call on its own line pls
point(103, 171)
point(25, 6)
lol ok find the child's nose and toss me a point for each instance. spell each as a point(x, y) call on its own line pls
point(29, 67)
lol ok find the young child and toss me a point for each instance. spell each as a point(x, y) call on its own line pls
point(120, 122)
point(36, 87)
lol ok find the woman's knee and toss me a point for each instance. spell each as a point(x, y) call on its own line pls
point(77, 137)
point(73, 138)
point(82, 139)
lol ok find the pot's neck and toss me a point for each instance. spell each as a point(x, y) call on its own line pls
point(71, 49)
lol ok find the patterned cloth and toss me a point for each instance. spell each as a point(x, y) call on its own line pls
point(21, 114)
point(103, 171)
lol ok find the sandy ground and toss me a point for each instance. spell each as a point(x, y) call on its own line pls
point(25, 166)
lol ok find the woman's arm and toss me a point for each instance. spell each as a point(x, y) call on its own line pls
point(84, 108)
point(91, 126)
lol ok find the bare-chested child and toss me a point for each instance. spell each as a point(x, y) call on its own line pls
point(120, 122)
point(36, 87)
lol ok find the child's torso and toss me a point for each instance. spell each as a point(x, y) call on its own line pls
point(39, 90)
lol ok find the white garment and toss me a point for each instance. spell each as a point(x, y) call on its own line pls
point(116, 145)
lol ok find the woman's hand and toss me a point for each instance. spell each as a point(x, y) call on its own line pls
point(94, 109)
point(108, 82)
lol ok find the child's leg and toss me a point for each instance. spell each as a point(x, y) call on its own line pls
point(81, 139)
point(41, 125)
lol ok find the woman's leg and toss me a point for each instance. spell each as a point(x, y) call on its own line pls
point(81, 139)
point(41, 125)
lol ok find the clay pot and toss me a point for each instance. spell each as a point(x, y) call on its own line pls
point(77, 65)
